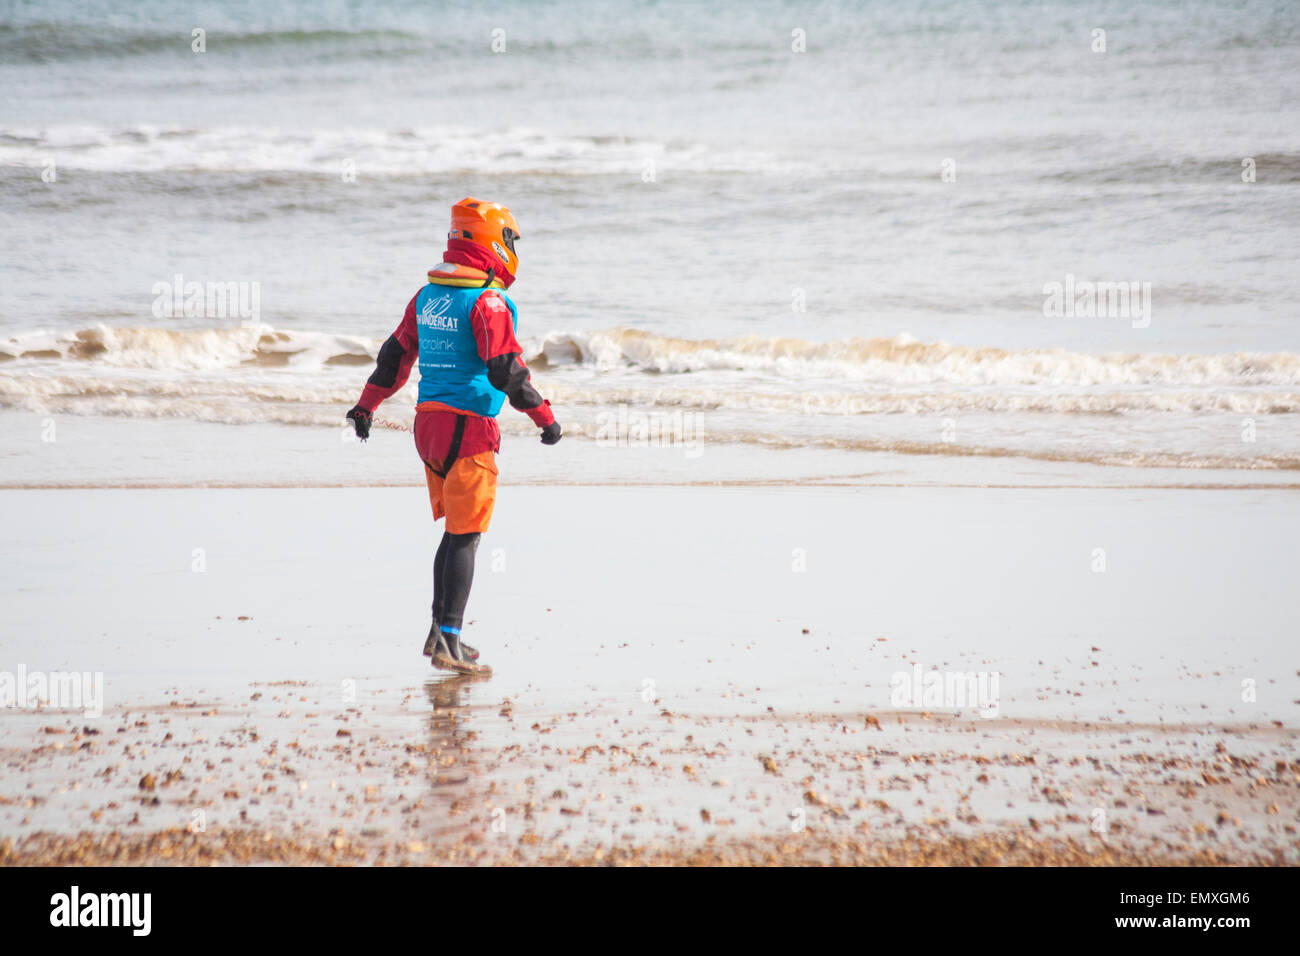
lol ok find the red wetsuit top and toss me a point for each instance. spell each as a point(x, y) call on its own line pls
point(494, 335)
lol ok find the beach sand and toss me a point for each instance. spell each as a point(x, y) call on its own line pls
point(682, 675)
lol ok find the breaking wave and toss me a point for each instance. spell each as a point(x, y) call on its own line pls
point(900, 361)
point(412, 152)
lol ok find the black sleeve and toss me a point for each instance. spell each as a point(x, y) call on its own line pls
point(388, 364)
point(509, 375)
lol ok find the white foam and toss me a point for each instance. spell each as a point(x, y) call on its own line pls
point(419, 150)
point(902, 360)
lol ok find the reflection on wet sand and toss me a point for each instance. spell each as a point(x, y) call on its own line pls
point(453, 761)
point(449, 729)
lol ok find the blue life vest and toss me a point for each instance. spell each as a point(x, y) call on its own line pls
point(451, 371)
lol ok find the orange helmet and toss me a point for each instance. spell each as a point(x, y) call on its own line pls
point(487, 224)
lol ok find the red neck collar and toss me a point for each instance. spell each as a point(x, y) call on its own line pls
point(462, 252)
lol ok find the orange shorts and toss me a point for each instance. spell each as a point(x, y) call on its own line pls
point(467, 495)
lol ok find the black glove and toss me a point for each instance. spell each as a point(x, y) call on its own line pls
point(551, 433)
point(360, 419)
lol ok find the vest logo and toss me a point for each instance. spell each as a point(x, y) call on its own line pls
point(434, 314)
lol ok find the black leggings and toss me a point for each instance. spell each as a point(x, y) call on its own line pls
point(453, 574)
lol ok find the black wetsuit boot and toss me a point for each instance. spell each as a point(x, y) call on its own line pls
point(430, 643)
point(449, 654)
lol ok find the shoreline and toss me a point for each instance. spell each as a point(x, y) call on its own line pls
point(794, 483)
point(51, 452)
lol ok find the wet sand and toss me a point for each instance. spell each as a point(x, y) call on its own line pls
point(708, 706)
point(454, 773)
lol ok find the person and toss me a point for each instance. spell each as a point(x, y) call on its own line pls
point(461, 327)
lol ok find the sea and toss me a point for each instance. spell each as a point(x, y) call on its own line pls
point(763, 232)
